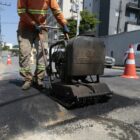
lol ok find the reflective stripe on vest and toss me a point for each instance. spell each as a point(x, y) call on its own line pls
point(56, 12)
point(32, 11)
point(41, 12)
point(20, 11)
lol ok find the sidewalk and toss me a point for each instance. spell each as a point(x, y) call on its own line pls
point(122, 68)
point(9, 71)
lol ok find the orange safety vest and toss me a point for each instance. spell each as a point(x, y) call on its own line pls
point(36, 11)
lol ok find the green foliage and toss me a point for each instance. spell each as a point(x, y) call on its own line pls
point(72, 24)
point(16, 47)
point(5, 48)
point(0, 47)
point(87, 23)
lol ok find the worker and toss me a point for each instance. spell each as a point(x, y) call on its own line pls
point(31, 30)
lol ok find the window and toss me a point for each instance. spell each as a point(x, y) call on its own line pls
point(116, 13)
point(132, 16)
point(112, 54)
point(115, 31)
point(138, 47)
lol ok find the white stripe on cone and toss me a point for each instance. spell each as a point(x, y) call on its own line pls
point(131, 50)
point(129, 61)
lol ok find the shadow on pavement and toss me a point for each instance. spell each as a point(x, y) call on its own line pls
point(110, 76)
point(23, 111)
point(115, 102)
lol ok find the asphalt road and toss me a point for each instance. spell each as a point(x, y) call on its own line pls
point(32, 115)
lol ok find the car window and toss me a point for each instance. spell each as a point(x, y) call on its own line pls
point(138, 47)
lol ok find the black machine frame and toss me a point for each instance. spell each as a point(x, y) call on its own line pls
point(72, 91)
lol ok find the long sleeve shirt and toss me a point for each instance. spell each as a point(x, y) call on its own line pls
point(35, 12)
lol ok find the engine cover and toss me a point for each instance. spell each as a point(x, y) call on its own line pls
point(85, 55)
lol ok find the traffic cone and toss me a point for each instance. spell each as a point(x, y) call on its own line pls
point(130, 68)
point(9, 60)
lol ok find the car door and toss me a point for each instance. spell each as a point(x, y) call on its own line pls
point(137, 54)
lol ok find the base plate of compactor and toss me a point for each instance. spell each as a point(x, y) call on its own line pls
point(78, 95)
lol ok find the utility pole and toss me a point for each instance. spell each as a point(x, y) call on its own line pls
point(119, 17)
point(76, 9)
point(78, 17)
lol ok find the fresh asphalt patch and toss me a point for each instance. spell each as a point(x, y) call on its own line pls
point(32, 115)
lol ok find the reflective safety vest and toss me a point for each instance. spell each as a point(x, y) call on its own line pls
point(36, 11)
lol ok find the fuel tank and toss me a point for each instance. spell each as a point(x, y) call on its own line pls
point(85, 56)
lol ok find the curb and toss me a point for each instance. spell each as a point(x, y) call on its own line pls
point(122, 68)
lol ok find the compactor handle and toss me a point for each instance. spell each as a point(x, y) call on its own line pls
point(51, 27)
point(67, 36)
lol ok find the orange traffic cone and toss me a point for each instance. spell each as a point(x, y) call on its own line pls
point(130, 68)
point(9, 60)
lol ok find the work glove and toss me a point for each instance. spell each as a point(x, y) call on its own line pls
point(39, 28)
point(66, 29)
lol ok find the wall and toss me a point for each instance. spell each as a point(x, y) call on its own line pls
point(114, 5)
point(66, 8)
point(117, 45)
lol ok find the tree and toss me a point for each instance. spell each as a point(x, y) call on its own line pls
point(72, 27)
point(5, 48)
point(88, 23)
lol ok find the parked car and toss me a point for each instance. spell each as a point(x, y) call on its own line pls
point(109, 61)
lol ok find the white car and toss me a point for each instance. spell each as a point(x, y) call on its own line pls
point(109, 61)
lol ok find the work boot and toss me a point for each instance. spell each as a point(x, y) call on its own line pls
point(26, 85)
point(39, 84)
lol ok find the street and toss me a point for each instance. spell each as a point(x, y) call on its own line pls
point(75, 41)
point(32, 115)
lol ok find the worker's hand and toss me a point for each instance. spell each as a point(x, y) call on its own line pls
point(39, 28)
point(65, 29)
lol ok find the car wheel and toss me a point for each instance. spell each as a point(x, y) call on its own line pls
point(109, 67)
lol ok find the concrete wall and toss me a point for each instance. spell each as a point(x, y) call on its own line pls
point(66, 8)
point(117, 45)
point(107, 10)
point(92, 6)
point(113, 18)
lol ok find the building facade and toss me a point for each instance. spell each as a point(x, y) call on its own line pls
point(69, 9)
point(115, 16)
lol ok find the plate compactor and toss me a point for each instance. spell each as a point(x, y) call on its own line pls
point(74, 70)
